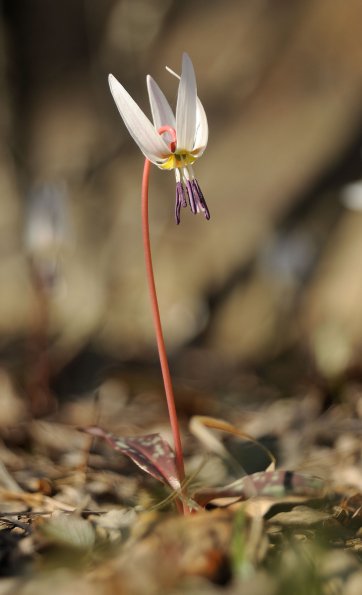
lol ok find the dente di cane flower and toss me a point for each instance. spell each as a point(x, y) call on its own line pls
point(173, 141)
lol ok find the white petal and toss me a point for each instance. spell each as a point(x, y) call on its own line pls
point(161, 111)
point(139, 126)
point(202, 128)
point(186, 106)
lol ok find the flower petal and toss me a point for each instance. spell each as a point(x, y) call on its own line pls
point(186, 106)
point(202, 129)
point(139, 126)
point(161, 111)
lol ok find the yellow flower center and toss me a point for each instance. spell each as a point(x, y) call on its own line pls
point(178, 160)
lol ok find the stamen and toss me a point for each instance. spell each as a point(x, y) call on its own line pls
point(182, 188)
point(201, 202)
point(180, 201)
point(190, 193)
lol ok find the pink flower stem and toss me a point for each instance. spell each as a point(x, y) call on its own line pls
point(182, 506)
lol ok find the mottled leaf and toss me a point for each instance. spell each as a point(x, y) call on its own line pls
point(273, 484)
point(150, 452)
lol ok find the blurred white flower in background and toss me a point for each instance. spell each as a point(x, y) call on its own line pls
point(47, 230)
point(352, 196)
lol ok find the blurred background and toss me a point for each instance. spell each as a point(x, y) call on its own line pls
point(272, 282)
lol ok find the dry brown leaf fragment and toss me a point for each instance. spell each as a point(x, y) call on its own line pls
point(201, 427)
point(162, 551)
point(38, 501)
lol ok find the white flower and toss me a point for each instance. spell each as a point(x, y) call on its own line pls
point(48, 230)
point(352, 196)
point(171, 142)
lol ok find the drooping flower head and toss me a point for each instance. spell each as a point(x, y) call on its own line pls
point(172, 141)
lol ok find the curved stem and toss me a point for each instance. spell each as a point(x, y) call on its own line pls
point(159, 334)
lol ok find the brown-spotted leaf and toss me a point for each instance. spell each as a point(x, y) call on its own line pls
point(150, 452)
point(272, 484)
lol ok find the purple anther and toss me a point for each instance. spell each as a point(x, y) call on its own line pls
point(190, 192)
point(180, 201)
point(199, 199)
point(183, 196)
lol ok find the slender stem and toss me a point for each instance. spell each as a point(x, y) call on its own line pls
point(159, 334)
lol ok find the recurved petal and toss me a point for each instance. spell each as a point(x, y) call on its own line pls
point(162, 113)
point(139, 126)
point(202, 128)
point(186, 106)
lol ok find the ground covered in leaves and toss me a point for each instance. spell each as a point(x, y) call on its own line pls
point(77, 516)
